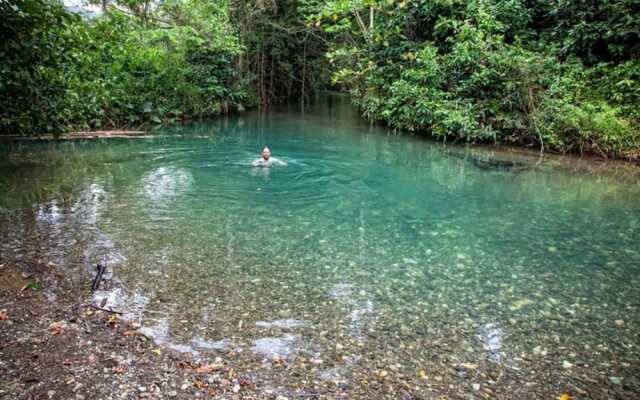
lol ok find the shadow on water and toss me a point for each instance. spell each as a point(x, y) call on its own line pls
point(498, 165)
point(490, 161)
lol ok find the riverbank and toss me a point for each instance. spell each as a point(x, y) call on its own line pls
point(80, 135)
point(578, 163)
point(55, 345)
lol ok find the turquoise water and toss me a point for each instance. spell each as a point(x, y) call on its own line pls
point(373, 264)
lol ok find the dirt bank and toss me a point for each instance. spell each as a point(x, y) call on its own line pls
point(53, 345)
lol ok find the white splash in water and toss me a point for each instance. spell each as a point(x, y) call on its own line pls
point(491, 337)
point(131, 306)
point(362, 315)
point(361, 318)
point(275, 348)
point(167, 183)
point(219, 345)
point(159, 333)
point(281, 323)
point(342, 292)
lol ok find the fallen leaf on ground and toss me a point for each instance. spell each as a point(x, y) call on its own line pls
point(469, 366)
point(131, 333)
point(185, 365)
point(156, 351)
point(198, 383)
point(565, 397)
point(57, 327)
point(3, 315)
point(205, 369)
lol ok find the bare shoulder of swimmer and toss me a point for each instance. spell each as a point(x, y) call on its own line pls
point(277, 161)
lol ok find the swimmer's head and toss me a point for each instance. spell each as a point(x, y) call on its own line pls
point(266, 153)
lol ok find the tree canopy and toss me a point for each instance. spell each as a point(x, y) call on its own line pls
point(561, 75)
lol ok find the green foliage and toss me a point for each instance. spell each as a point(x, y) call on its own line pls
point(588, 127)
point(34, 285)
point(284, 60)
point(561, 75)
point(32, 80)
point(60, 72)
point(144, 62)
point(596, 30)
point(493, 70)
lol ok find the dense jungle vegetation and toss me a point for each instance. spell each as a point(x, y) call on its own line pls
point(560, 75)
point(143, 62)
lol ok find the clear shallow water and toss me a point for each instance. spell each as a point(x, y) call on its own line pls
point(372, 263)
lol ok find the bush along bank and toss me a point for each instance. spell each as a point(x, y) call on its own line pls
point(61, 72)
point(559, 77)
point(140, 62)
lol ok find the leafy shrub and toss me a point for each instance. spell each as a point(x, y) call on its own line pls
point(491, 71)
point(59, 72)
point(589, 127)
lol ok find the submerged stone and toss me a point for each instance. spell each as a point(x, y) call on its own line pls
point(520, 303)
point(566, 364)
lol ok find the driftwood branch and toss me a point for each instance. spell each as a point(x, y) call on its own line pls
point(101, 270)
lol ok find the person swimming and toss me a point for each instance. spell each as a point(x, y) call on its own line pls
point(266, 160)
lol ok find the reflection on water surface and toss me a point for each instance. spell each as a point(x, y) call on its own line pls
point(376, 263)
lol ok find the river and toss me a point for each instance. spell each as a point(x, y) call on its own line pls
point(373, 263)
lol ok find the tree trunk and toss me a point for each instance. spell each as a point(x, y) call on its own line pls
point(271, 80)
point(304, 72)
point(371, 19)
